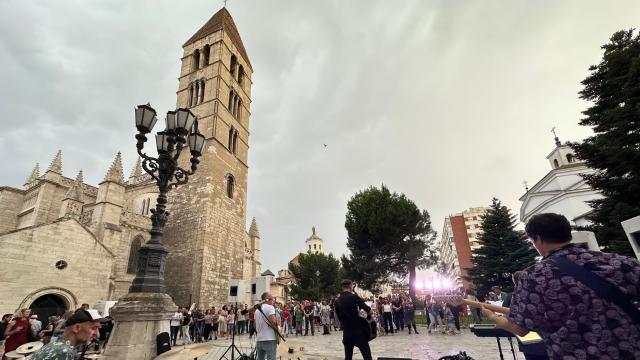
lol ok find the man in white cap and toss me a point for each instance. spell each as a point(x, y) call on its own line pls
point(37, 324)
point(80, 328)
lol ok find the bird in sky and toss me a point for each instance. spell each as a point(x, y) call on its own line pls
point(325, 145)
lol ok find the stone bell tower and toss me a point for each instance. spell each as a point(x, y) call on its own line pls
point(205, 233)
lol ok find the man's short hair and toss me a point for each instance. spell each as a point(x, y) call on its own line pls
point(264, 296)
point(549, 227)
point(346, 283)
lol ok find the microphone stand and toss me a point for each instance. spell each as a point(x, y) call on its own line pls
point(233, 346)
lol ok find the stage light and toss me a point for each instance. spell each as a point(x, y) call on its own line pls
point(436, 284)
point(419, 285)
point(428, 284)
point(446, 283)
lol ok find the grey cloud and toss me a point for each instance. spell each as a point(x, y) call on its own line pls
point(449, 102)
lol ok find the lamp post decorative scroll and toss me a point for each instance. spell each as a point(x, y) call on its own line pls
point(181, 128)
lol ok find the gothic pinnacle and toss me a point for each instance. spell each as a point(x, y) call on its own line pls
point(137, 170)
point(76, 191)
point(115, 171)
point(56, 164)
point(253, 230)
point(34, 174)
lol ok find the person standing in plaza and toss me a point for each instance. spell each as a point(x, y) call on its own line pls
point(387, 317)
point(410, 316)
point(308, 318)
point(299, 316)
point(398, 313)
point(18, 330)
point(355, 333)
point(266, 323)
point(584, 300)
point(286, 319)
point(184, 326)
point(174, 326)
point(325, 311)
point(242, 319)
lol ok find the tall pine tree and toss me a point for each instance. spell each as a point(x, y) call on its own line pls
point(614, 150)
point(502, 251)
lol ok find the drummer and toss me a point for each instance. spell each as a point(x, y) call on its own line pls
point(81, 327)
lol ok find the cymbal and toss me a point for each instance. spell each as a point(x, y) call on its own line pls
point(14, 355)
point(29, 347)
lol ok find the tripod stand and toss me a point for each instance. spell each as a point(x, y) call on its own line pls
point(233, 348)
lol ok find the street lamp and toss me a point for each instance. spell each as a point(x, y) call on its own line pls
point(181, 128)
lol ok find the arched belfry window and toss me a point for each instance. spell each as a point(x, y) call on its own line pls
point(201, 91)
point(205, 54)
point(230, 186)
point(240, 74)
point(230, 143)
point(196, 60)
point(555, 164)
point(234, 65)
point(235, 143)
point(569, 158)
point(133, 255)
point(191, 94)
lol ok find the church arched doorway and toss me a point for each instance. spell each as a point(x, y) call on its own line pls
point(48, 305)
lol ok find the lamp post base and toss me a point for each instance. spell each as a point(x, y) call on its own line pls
point(138, 319)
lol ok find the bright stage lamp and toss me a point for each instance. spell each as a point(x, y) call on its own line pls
point(419, 285)
point(436, 284)
point(428, 284)
point(446, 283)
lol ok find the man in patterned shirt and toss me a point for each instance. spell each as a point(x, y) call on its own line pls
point(80, 328)
point(573, 320)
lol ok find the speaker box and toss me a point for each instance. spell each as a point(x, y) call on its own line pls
point(163, 342)
point(236, 291)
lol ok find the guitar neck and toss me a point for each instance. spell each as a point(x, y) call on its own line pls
point(494, 308)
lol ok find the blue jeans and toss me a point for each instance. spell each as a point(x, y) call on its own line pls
point(266, 350)
point(174, 334)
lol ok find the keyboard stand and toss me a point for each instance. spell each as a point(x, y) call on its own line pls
point(513, 352)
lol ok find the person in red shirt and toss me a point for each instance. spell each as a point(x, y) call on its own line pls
point(285, 321)
point(17, 331)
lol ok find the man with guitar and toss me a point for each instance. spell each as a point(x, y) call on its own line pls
point(356, 330)
point(583, 303)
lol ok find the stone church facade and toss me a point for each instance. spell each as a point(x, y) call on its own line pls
point(65, 242)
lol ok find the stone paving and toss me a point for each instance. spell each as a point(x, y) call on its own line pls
point(421, 346)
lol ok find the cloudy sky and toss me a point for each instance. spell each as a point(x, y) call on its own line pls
point(450, 102)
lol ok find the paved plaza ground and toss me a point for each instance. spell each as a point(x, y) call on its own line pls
point(421, 346)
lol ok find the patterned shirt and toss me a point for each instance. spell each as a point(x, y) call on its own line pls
point(59, 349)
point(574, 322)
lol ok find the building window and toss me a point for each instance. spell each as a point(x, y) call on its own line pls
point(201, 91)
point(133, 255)
point(314, 247)
point(205, 52)
point(230, 185)
point(196, 60)
point(234, 65)
point(190, 94)
point(569, 158)
point(309, 247)
point(240, 74)
point(555, 164)
point(235, 143)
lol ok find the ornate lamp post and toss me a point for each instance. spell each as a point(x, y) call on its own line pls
point(182, 127)
point(145, 311)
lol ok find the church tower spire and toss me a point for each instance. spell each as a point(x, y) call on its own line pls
point(215, 84)
point(136, 172)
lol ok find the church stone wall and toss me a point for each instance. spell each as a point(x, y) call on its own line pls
point(28, 261)
point(10, 204)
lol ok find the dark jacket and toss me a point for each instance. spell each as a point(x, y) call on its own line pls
point(347, 310)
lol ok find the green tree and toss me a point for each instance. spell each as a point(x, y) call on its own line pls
point(502, 251)
point(318, 277)
point(614, 150)
point(387, 235)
